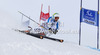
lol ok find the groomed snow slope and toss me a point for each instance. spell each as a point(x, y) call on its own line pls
point(15, 43)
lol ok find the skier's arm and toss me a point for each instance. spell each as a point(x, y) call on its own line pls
point(49, 19)
point(56, 30)
point(57, 26)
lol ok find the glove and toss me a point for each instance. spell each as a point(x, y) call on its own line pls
point(50, 29)
point(55, 31)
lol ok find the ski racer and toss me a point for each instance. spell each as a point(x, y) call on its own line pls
point(53, 23)
point(50, 26)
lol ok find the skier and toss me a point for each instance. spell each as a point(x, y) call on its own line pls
point(53, 23)
point(50, 26)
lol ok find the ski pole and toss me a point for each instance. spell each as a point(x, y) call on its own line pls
point(28, 17)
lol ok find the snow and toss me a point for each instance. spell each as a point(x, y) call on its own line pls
point(15, 43)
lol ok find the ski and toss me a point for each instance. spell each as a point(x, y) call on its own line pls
point(31, 34)
point(54, 39)
point(40, 36)
point(35, 35)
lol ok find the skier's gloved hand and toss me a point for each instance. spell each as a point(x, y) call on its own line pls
point(55, 31)
point(50, 29)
